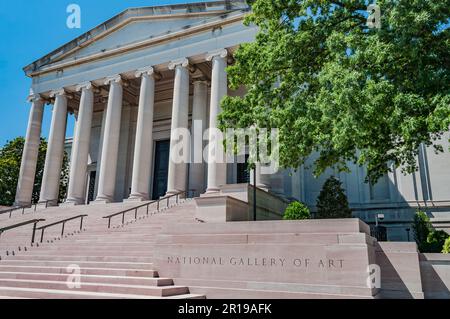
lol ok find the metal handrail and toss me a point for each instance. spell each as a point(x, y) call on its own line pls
point(135, 209)
point(63, 222)
point(13, 209)
point(33, 221)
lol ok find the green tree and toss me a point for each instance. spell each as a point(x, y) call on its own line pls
point(10, 161)
point(334, 86)
point(427, 238)
point(422, 228)
point(332, 201)
point(297, 211)
point(446, 248)
point(436, 241)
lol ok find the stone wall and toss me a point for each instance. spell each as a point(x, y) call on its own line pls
point(435, 272)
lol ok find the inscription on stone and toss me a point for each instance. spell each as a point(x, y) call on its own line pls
point(273, 262)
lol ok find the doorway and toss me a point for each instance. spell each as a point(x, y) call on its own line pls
point(161, 171)
point(91, 187)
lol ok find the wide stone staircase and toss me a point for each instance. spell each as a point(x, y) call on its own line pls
point(91, 261)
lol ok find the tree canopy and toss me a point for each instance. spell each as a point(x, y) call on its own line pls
point(334, 86)
point(10, 160)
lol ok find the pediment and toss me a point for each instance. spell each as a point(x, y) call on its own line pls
point(138, 31)
point(138, 25)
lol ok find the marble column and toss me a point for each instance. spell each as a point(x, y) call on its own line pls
point(55, 151)
point(177, 179)
point(199, 124)
point(81, 143)
point(30, 153)
point(110, 147)
point(217, 168)
point(143, 150)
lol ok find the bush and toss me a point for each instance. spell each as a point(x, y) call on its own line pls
point(422, 228)
point(297, 211)
point(428, 240)
point(332, 201)
point(436, 241)
point(446, 248)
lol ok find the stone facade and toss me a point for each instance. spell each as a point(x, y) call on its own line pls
point(133, 80)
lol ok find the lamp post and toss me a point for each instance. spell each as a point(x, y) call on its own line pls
point(254, 193)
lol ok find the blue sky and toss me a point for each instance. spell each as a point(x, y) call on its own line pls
point(30, 29)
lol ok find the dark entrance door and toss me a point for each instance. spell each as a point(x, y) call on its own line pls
point(91, 191)
point(243, 174)
point(161, 169)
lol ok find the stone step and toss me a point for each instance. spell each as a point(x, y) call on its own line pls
point(87, 253)
point(82, 264)
point(86, 271)
point(14, 292)
point(83, 258)
point(155, 291)
point(126, 280)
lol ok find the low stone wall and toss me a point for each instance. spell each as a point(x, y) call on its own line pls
point(235, 203)
point(400, 270)
point(435, 272)
point(215, 209)
point(269, 259)
point(268, 206)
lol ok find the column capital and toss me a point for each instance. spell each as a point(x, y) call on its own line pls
point(60, 92)
point(201, 80)
point(222, 53)
point(148, 71)
point(35, 98)
point(184, 63)
point(114, 79)
point(86, 86)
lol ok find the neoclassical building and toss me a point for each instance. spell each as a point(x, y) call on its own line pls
point(135, 78)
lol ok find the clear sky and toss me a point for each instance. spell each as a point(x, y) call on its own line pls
point(29, 29)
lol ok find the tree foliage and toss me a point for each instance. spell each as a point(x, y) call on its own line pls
point(332, 85)
point(436, 241)
point(297, 211)
point(332, 201)
point(446, 248)
point(422, 228)
point(427, 238)
point(10, 161)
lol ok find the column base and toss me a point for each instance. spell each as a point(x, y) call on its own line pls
point(101, 201)
point(135, 199)
point(48, 203)
point(212, 191)
point(73, 202)
point(22, 204)
point(170, 193)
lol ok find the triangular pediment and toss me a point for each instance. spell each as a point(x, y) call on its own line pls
point(137, 25)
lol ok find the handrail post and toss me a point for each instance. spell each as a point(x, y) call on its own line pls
point(10, 214)
point(148, 207)
point(34, 233)
point(123, 219)
point(81, 223)
point(135, 213)
point(168, 199)
point(157, 207)
point(42, 235)
point(177, 198)
point(62, 231)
